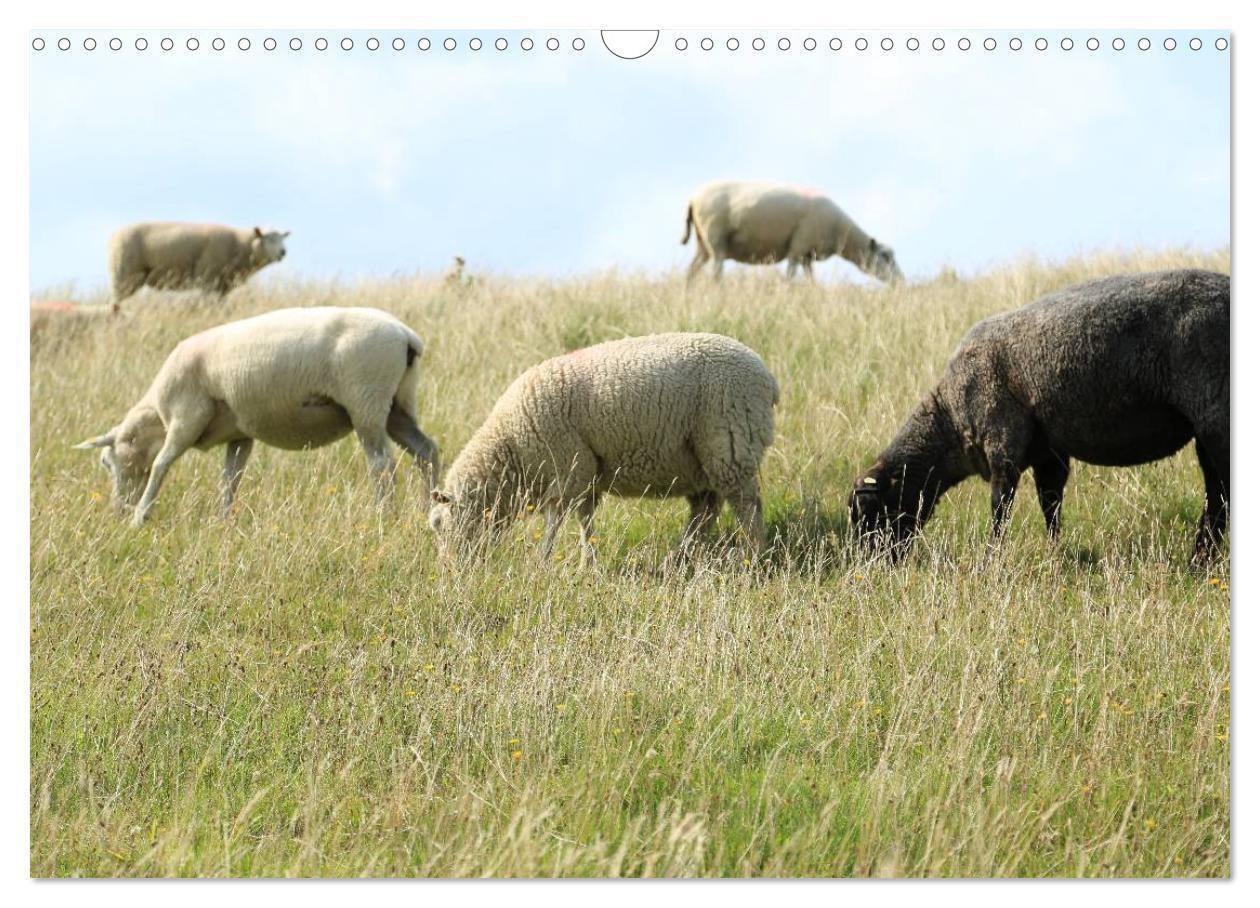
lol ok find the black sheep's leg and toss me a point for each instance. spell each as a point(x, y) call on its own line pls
point(1003, 481)
point(1051, 475)
point(1213, 453)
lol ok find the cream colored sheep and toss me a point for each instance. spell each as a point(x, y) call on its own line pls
point(764, 223)
point(292, 378)
point(171, 256)
point(687, 415)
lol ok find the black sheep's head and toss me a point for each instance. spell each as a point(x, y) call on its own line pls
point(885, 513)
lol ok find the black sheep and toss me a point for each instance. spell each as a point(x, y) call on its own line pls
point(1119, 371)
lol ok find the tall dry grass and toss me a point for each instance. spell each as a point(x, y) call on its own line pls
point(303, 691)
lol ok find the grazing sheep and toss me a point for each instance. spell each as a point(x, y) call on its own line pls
point(764, 223)
point(1118, 372)
point(686, 415)
point(291, 378)
point(170, 256)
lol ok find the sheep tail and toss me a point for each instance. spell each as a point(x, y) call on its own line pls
point(690, 220)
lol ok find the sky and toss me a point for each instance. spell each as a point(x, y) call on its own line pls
point(564, 162)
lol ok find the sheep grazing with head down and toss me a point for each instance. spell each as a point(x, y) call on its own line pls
point(1118, 371)
point(174, 256)
point(291, 378)
point(686, 415)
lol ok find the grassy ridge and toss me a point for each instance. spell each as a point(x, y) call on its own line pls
point(302, 691)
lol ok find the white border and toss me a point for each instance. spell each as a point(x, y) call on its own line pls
point(1074, 14)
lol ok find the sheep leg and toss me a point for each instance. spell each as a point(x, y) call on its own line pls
point(179, 438)
point(792, 265)
point(702, 256)
point(808, 266)
point(553, 513)
point(407, 435)
point(380, 461)
point(1050, 476)
point(1003, 482)
point(705, 508)
point(234, 460)
point(586, 518)
point(748, 510)
point(1213, 453)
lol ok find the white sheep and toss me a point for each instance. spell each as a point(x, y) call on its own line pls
point(174, 256)
point(764, 223)
point(686, 415)
point(291, 378)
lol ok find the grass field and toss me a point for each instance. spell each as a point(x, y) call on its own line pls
point(302, 690)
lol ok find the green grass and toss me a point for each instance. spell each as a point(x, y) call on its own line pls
point(303, 691)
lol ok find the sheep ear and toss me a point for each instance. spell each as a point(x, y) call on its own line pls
point(440, 497)
point(258, 232)
point(100, 441)
point(285, 234)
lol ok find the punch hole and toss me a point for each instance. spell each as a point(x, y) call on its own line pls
point(167, 44)
point(578, 44)
point(964, 44)
point(373, 44)
point(1092, 44)
point(424, 44)
point(706, 44)
point(449, 43)
point(295, 44)
point(115, 44)
point(142, 44)
point(321, 44)
point(886, 44)
point(732, 44)
point(1066, 44)
point(1016, 44)
point(398, 44)
point(1196, 44)
point(1041, 44)
point(809, 44)
point(938, 44)
point(475, 44)
point(1117, 44)
point(89, 44)
point(990, 44)
point(192, 44)
point(1170, 44)
point(346, 44)
point(784, 44)
point(218, 44)
point(500, 44)
point(553, 44)
point(630, 44)
point(758, 44)
point(63, 44)
point(527, 44)
point(835, 44)
point(912, 44)
point(38, 44)
point(269, 44)
point(680, 44)
point(1144, 44)
point(860, 44)
point(1221, 44)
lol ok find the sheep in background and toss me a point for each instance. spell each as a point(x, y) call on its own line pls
point(173, 256)
point(291, 378)
point(1118, 371)
point(686, 415)
point(764, 223)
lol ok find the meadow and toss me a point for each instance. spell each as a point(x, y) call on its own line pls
point(303, 690)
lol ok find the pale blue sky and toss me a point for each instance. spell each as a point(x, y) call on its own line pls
point(563, 162)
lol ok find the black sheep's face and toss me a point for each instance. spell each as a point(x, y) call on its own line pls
point(879, 515)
